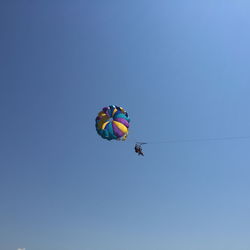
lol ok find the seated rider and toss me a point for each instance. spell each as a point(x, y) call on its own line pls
point(138, 150)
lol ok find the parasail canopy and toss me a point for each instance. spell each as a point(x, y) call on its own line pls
point(112, 123)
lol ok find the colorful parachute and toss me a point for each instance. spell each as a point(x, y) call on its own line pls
point(112, 123)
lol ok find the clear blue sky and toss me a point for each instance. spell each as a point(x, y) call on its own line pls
point(180, 69)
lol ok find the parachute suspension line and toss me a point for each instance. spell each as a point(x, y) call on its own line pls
point(198, 140)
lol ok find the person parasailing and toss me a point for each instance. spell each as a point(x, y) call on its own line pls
point(138, 148)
